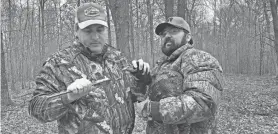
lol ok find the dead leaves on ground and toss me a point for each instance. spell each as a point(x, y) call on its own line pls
point(249, 106)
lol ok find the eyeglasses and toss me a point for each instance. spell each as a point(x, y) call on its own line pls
point(171, 31)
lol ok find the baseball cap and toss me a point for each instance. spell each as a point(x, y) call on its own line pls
point(173, 21)
point(90, 13)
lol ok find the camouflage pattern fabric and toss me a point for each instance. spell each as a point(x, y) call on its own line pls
point(107, 109)
point(167, 83)
point(189, 105)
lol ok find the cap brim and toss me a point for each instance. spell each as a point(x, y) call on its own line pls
point(161, 27)
point(91, 22)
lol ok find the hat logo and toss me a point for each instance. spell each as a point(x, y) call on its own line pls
point(170, 19)
point(91, 12)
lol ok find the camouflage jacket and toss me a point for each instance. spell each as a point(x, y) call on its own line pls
point(107, 109)
point(193, 107)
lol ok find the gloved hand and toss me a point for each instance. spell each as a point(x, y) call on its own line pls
point(141, 70)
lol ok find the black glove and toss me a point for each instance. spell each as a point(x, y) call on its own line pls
point(146, 78)
point(142, 78)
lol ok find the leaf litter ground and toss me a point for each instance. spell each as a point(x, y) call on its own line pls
point(249, 106)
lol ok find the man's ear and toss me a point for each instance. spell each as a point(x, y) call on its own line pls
point(188, 37)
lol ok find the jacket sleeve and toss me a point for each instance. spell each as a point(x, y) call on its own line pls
point(202, 86)
point(49, 82)
point(137, 88)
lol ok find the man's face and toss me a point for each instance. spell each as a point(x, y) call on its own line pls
point(93, 37)
point(171, 39)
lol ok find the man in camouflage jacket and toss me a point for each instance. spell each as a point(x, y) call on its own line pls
point(186, 86)
point(88, 108)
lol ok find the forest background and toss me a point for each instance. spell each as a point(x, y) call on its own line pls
point(241, 34)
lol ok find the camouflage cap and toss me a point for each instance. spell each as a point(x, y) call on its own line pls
point(90, 13)
point(173, 21)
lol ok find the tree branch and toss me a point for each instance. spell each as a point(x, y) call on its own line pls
point(269, 45)
point(270, 38)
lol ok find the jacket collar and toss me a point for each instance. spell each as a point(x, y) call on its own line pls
point(177, 52)
point(91, 56)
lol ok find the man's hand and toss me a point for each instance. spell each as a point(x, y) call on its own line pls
point(142, 109)
point(142, 66)
point(79, 88)
point(141, 70)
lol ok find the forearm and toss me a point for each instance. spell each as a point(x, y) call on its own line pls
point(42, 106)
point(198, 102)
point(48, 109)
point(187, 108)
point(138, 92)
point(138, 88)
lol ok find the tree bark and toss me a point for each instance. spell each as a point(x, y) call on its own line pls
point(189, 12)
point(214, 18)
point(5, 96)
point(26, 59)
point(120, 15)
point(261, 51)
point(273, 6)
point(268, 35)
point(23, 61)
point(12, 77)
point(20, 53)
point(42, 3)
point(169, 8)
point(30, 62)
point(108, 22)
point(58, 14)
point(150, 20)
point(181, 8)
point(137, 31)
point(131, 30)
point(61, 28)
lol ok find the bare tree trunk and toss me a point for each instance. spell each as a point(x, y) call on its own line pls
point(261, 50)
point(268, 34)
point(137, 30)
point(58, 13)
point(23, 61)
point(30, 44)
point(181, 8)
point(189, 12)
point(5, 96)
point(20, 70)
point(214, 18)
point(27, 68)
point(146, 49)
point(132, 47)
point(273, 6)
point(120, 15)
point(61, 29)
point(108, 21)
point(169, 8)
point(254, 64)
point(143, 40)
point(33, 53)
point(249, 41)
point(40, 36)
point(150, 19)
point(11, 49)
point(42, 2)
point(22, 31)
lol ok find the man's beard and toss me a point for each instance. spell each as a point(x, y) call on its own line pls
point(173, 46)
